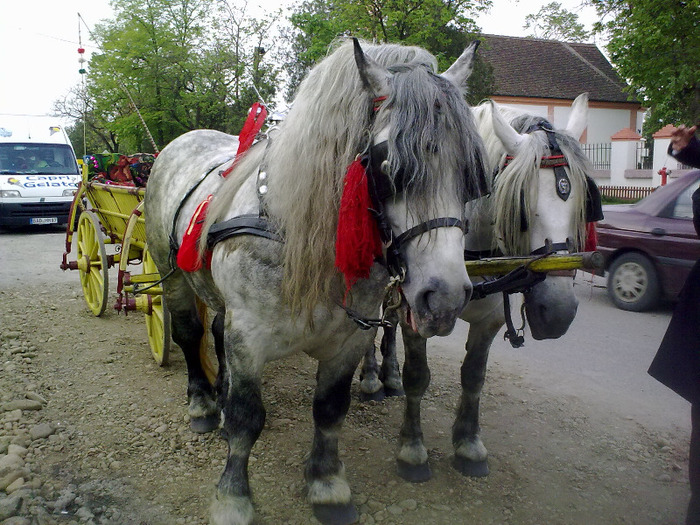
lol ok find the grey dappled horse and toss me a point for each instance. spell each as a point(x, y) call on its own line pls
point(534, 208)
point(275, 289)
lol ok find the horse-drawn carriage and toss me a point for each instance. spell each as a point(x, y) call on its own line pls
point(276, 290)
point(107, 212)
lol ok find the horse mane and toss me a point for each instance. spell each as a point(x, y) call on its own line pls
point(519, 177)
point(327, 127)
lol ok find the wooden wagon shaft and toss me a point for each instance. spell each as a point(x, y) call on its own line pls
point(550, 263)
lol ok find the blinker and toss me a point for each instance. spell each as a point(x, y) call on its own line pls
point(377, 166)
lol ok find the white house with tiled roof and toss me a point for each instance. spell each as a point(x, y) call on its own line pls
point(545, 76)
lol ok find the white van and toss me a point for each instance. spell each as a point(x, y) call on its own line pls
point(38, 171)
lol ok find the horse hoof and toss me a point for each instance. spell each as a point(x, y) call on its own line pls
point(341, 514)
point(202, 425)
point(394, 392)
point(414, 473)
point(468, 467)
point(375, 396)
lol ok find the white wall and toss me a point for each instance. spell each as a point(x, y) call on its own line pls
point(604, 123)
point(540, 111)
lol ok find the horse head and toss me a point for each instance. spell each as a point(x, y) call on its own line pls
point(427, 162)
point(545, 187)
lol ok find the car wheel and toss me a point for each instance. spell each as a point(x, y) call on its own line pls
point(632, 283)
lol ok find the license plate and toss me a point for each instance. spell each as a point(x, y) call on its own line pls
point(44, 220)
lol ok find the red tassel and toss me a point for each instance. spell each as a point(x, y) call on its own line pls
point(357, 241)
point(188, 258)
point(253, 124)
point(591, 238)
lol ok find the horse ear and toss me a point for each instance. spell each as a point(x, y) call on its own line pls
point(510, 138)
point(374, 77)
point(461, 69)
point(578, 119)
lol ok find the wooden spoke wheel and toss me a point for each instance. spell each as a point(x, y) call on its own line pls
point(92, 262)
point(157, 318)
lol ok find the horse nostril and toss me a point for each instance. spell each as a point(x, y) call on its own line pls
point(437, 301)
point(425, 300)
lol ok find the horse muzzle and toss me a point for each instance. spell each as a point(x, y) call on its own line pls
point(550, 307)
point(436, 307)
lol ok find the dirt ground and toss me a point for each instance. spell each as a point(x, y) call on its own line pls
point(109, 441)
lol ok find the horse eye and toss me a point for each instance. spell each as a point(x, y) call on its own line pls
point(384, 166)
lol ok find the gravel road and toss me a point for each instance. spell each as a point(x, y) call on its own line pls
point(92, 431)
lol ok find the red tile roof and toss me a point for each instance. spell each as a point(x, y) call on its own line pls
point(531, 67)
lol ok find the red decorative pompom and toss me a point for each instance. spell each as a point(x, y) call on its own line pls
point(591, 238)
point(357, 242)
point(188, 258)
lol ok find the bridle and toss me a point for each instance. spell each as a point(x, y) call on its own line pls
point(383, 185)
point(522, 279)
point(556, 161)
point(382, 188)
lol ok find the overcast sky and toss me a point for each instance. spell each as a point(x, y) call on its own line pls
point(39, 42)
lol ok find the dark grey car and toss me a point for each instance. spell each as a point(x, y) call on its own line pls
point(650, 246)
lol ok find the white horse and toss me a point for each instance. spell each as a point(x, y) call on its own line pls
point(272, 229)
point(541, 201)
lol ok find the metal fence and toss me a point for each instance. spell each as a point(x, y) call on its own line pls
point(599, 154)
point(644, 157)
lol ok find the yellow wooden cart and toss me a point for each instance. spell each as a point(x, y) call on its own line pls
point(104, 214)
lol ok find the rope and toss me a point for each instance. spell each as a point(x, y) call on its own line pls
point(133, 104)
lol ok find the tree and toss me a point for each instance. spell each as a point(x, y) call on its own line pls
point(176, 65)
point(655, 46)
point(444, 27)
point(88, 134)
point(552, 22)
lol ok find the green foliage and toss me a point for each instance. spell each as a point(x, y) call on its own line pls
point(655, 45)
point(552, 22)
point(444, 27)
point(178, 65)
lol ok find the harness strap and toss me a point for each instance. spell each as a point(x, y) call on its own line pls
point(362, 322)
point(520, 279)
point(550, 161)
point(394, 255)
point(550, 248)
point(562, 182)
point(174, 242)
point(515, 336)
point(424, 227)
point(475, 255)
point(242, 225)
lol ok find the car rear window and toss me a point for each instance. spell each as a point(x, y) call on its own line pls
point(682, 207)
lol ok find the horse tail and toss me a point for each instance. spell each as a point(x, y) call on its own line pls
point(208, 366)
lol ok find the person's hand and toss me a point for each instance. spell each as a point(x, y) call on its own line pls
point(680, 138)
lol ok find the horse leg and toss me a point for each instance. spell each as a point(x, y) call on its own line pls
point(187, 332)
point(217, 329)
point(470, 453)
point(371, 388)
point(412, 459)
point(243, 416)
point(328, 490)
point(389, 373)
